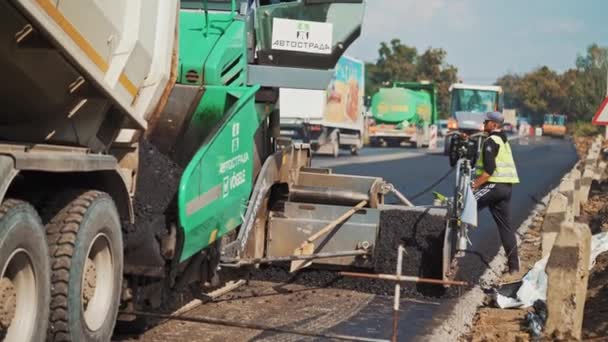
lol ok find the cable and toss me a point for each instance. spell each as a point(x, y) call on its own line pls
point(432, 186)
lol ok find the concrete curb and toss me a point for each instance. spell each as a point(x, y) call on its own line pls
point(569, 253)
point(567, 279)
point(459, 322)
point(460, 319)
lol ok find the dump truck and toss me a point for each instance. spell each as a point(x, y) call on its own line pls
point(403, 113)
point(140, 155)
point(468, 105)
point(554, 125)
point(330, 120)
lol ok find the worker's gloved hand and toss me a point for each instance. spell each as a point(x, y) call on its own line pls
point(441, 199)
point(439, 196)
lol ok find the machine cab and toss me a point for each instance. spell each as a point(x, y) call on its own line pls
point(306, 33)
point(469, 103)
point(294, 36)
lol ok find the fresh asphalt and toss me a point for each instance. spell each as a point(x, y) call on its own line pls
point(541, 163)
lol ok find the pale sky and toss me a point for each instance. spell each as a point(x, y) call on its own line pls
point(487, 38)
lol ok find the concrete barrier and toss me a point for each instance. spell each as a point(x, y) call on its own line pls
point(601, 171)
point(591, 161)
point(555, 215)
point(586, 181)
point(599, 139)
point(568, 275)
point(568, 245)
point(575, 175)
point(566, 188)
point(433, 137)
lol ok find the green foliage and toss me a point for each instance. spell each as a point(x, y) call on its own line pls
point(577, 92)
point(584, 129)
point(398, 62)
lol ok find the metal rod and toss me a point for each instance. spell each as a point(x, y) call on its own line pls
point(334, 223)
point(400, 252)
point(308, 246)
point(402, 198)
point(255, 326)
point(405, 279)
point(233, 262)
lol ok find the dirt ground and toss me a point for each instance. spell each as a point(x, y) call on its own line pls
point(493, 324)
point(275, 303)
point(304, 309)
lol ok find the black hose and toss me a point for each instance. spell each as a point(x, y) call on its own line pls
point(432, 186)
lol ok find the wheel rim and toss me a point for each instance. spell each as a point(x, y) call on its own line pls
point(18, 295)
point(98, 282)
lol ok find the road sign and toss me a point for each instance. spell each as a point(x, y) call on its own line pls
point(601, 117)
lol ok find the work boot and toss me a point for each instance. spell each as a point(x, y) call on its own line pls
point(513, 270)
point(513, 266)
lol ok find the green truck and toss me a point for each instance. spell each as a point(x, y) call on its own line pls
point(140, 154)
point(404, 113)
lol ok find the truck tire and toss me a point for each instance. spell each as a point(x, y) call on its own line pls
point(85, 243)
point(446, 145)
point(24, 274)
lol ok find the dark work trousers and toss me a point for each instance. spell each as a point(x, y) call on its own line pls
point(497, 196)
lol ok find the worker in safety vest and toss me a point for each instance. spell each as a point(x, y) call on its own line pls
point(496, 174)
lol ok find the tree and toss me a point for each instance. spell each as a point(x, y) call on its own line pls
point(577, 92)
point(589, 87)
point(400, 62)
point(431, 66)
point(510, 84)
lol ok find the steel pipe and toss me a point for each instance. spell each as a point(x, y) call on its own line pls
point(404, 279)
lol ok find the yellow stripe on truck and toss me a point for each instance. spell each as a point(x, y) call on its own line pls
point(84, 44)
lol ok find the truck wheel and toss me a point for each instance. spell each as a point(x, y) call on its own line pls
point(24, 278)
point(85, 243)
point(446, 145)
point(354, 150)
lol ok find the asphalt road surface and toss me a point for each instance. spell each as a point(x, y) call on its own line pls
point(541, 164)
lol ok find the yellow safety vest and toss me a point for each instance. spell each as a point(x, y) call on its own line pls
point(505, 165)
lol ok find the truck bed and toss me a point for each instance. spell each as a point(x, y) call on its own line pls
point(78, 69)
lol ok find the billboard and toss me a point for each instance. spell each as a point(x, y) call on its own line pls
point(345, 93)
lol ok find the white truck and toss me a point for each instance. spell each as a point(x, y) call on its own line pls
point(329, 120)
